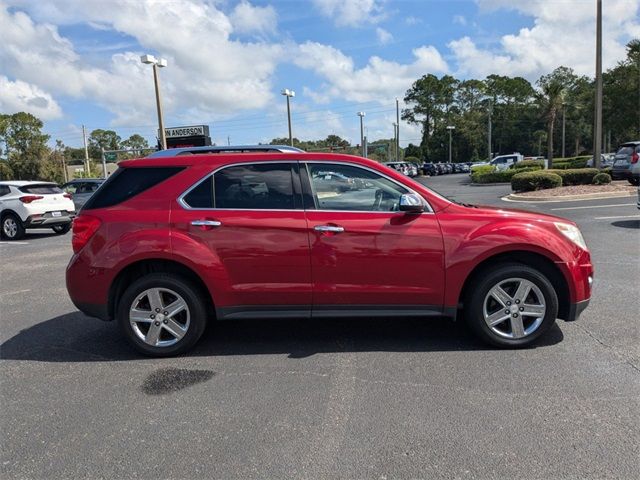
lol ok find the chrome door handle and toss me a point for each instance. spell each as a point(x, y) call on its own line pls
point(206, 223)
point(328, 228)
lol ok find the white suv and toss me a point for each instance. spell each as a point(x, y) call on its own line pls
point(33, 205)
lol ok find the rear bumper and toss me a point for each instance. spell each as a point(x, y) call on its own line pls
point(575, 309)
point(48, 220)
point(620, 174)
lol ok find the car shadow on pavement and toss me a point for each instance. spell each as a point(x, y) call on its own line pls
point(76, 338)
point(635, 224)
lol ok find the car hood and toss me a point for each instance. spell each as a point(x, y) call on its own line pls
point(505, 213)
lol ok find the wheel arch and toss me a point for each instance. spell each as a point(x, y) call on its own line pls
point(155, 265)
point(532, 259)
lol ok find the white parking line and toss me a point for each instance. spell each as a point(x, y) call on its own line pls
point(14, 243)
point(595, 206)
point(621, 216)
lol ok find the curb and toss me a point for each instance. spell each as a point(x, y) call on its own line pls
point(489, 184)
point(514, 197)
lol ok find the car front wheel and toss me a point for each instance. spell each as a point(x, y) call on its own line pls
point(12, 228)
point(162, 316)
point(511, 306)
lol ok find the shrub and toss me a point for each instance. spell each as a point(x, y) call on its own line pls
point(606, 170)
point(412, 159)
point(498, 177)
point(482, 168)
point(528, 181)
point(568, 163)
point(538, 164)
point(602, 179)
point(576, 176)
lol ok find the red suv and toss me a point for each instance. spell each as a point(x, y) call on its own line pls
point(170, 243)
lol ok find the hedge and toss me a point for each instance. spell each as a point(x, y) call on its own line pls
point(412, 159)
point(602, 179)
point(538, 180)
point(502, 176)
point(577, 176)
point(569, 163)
point(482, 168)
point(529, 163)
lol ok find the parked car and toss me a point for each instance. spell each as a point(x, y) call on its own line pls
point(399, 167)
point(413, 169)
point(626, 164)
point(606, 160)
point(430, 169)
point(166, 244)
point(81, 189)
point(31, 204)
point(502, 162)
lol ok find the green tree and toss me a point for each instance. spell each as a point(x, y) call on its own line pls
point(102, 139)
point(553, 88)
point(136, 143)
point(25, 144)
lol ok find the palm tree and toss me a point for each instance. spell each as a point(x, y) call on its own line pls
point(550, 99)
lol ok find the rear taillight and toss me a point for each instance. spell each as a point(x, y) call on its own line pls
point(30, 198)
point(68, 195)
point(634, 157)
point(84, 227)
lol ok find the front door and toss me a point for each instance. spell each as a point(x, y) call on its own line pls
point(367, 256)
point(250, 218)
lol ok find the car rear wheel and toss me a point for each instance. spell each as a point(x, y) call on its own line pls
point(12, 228)
point(61, 229)
point(162, 316)
point(511, 306)
point(634, 180)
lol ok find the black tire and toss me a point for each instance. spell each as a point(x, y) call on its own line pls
point(192, 295)
point(61, 229)
point(634, 181)
point(12, 228)
point(474, 304)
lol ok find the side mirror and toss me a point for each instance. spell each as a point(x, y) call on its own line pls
point(411, 203)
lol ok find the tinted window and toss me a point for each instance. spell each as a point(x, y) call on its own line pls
point(201, 196)
point(345, 187)
point(4, 190)
point(125, 183)
point(625, 150)
point(40, 189)
point(259, 187)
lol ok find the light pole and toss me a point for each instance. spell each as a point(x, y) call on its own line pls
point(157, 63)
point(397, 129)
point(361, 115)
point(395, 141)
point(597, 141)
point(289, 93)
point(489, 131)
point(564, 116)
point(451, 128)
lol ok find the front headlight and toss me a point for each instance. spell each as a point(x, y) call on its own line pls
point(572, 233)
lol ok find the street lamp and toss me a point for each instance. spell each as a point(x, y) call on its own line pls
point(564, 117)
point(361, 115)
point(395, 140)
point(289, 93)
point(157, 63)
point(451, 128)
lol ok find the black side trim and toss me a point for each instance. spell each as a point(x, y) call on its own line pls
point(94, 310)
point(330, 311)
point(575, 309)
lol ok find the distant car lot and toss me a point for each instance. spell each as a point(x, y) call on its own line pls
point(330, 398)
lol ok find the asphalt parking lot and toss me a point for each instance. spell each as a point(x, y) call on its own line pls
point(360, 398)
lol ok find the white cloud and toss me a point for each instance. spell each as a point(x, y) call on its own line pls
point(247, 18)
point(411, 20)
point(563, 33)
point(206, 67)
point(378, 80)
point(351, 13)
point(21, 96)
point(384, 36)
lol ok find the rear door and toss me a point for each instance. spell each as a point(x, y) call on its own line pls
point(250, 216)
point(366, 256)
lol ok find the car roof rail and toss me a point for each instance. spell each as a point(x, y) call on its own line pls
point(173, 152)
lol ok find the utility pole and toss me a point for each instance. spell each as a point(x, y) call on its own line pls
point(228, 141)
point(489, 130)
point(104, 164)
point(597, 147)
point(87, 167)
point(451, 128)
point(397, 129)
point(564, 115)
point(157, 63)
point(289, 93)
point(395, 141)
point(364, 149)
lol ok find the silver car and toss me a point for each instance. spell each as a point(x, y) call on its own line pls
point(81, 189)
point(627, 163)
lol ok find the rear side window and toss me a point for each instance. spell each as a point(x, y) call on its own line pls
point(40, 189)
point(255, 187)
point(201, 196)
point(126, 183)
point(4, 190)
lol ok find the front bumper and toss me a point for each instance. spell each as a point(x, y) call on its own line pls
point(575, 309)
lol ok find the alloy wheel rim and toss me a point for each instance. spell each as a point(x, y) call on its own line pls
point(10, 227)
point(514, 308)
point(160, 317)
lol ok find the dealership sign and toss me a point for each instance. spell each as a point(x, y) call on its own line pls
point(189, 131)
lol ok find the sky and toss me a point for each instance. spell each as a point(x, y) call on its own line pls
point(77, 62)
